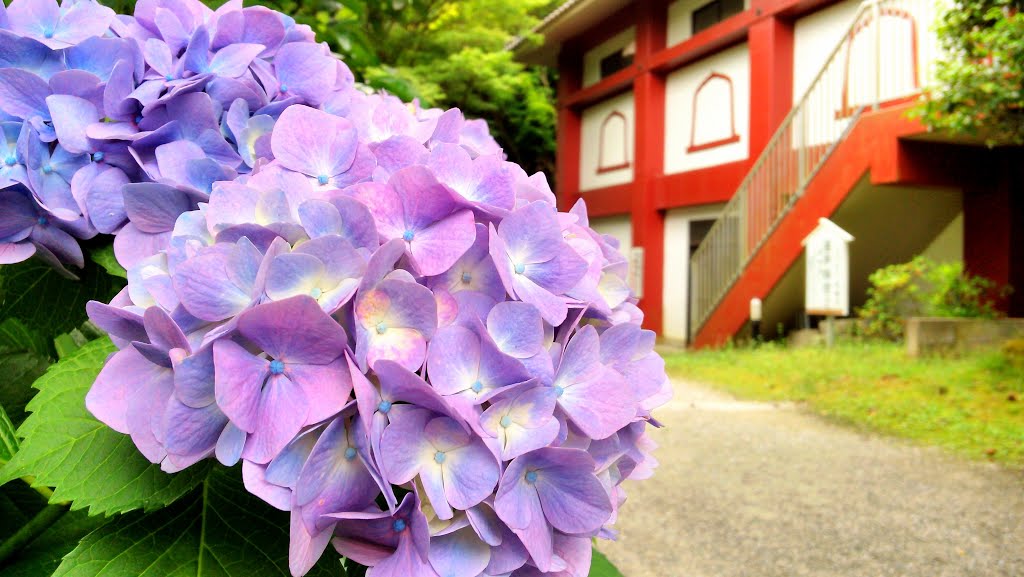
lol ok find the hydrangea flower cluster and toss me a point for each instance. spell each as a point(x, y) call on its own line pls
point(117, 124)
point(393, 329)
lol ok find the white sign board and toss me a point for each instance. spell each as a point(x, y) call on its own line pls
point(827, 284)
point(636, 271)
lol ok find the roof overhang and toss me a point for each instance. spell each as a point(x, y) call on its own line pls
point(569, 20)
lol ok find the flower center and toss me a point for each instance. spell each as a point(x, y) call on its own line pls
point(350, 453)
point(323, 179)
point(559, 391)
point(477, 387)
point(138, 118)
point(466, 278)
point(439, 457)
point(276, 367)
point(384, 406)
point(408, 235)
point(47, 169)
point(520, 268)
point(97, 156)
point(42, 220)
point(381, 327)
point(48, 33)
point(316, 293)
point(398, 525)
point(506, 421)
point(531, 477)
point(284, 88)
point(10, 160)
point(168, 78)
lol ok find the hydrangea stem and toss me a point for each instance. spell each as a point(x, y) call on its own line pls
point(29, 531)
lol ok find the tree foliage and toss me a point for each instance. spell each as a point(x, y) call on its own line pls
point(979, 91)
point(446, 53)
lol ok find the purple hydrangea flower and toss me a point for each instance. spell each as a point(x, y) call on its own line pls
point(391, 327)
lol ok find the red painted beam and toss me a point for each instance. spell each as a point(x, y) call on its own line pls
point(696, 187)
point(608, 201)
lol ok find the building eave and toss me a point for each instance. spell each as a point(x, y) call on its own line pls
point(571, 19)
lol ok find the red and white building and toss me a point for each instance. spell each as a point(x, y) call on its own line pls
point(709, 136)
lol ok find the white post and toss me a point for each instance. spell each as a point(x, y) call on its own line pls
point(755, 319)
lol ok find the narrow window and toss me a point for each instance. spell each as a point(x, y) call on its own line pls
point(714, 12)
point(617, 60)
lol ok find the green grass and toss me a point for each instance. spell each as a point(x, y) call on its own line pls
point(973, 405)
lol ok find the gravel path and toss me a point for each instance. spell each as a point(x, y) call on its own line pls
point(764, 490)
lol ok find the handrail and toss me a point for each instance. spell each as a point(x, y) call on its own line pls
point(805, 139)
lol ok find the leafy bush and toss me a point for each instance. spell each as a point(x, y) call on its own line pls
point(923, 287)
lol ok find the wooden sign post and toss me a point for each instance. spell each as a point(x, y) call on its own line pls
point(827, 285)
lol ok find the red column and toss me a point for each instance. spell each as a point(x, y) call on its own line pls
point(567, 156)
point(649, 154)
point(994, 232)
point(770, 42)
point(771, 79)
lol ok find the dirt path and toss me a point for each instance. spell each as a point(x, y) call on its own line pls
point(761, 490)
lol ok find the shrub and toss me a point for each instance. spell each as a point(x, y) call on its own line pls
point(923, 287)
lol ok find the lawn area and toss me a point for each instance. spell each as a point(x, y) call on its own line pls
point(972, 405)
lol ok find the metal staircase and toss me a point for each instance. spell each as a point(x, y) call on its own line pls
point(863, 70)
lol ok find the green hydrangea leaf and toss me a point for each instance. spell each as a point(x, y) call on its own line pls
point(105, 258)
point(38, 296)
point(600, 566)
point(218, 531)
point(65, 447)
point(8, 440)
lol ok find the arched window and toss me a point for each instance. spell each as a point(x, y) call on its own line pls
point(714, 115)
point(613, 146)
point(897, 75)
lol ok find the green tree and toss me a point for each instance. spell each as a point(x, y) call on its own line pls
point(446, 53)
point(979, 89)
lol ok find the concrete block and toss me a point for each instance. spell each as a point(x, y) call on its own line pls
point(931, 335)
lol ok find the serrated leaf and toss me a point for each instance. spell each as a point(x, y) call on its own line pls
point(88, 463)
point(219, 531)
point(43, 555)
point(8, 440)
point(38, 296)
point(600, 566)
point(20, 370)
point(105, 258)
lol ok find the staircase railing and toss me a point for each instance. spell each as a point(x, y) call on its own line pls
point(863, 70)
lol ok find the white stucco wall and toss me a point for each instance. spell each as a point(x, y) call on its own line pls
point(716, 117)
point(616, 142)
point(592, 58)
point(680, 19)
point(676, 295)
